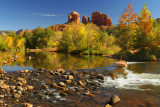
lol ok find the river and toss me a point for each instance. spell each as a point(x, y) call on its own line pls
point(139, 88)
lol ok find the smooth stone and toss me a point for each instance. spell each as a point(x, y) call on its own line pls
point(20, 79)
point(62, 84)
point(26, 71)
point(4, 86)
point(68, 81)
point(19, 83)
point(19, 92)
point(17, 95)
point(115, 99)
point(28, 105)
point(19, 88)
point(70, 77)
point(1, 82)
point(29, 87)
point(81, 83)
point(1, 96)
point(122, 63)
point(65, 76)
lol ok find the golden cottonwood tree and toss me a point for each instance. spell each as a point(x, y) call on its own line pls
point(145, 31)
point(127, 27)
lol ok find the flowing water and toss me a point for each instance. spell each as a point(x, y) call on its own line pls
point(139, 88)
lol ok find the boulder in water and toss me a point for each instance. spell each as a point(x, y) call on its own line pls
point(122, 63)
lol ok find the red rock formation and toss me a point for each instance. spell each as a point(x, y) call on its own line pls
point(89, 19)
point(84, 20)
point(74, 16)
point(60, 27)
point(101, 19)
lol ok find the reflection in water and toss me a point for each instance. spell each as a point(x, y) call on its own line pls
point(56, 60)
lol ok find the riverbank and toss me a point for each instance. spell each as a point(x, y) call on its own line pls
point(49, 88)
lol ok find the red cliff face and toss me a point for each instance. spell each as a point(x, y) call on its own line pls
point(74, 16)
point(101, 19)
point(84, 20)
point(59, 27)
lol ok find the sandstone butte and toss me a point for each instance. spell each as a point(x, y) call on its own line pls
point(98, 18)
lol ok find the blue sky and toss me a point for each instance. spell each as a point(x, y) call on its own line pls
point(28, 14)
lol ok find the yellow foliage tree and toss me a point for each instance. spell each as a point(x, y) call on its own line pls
point(20, 42)
point(9, 41)
point(128, 28)
point(145, 21)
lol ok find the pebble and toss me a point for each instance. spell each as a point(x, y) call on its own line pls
point(13, 87)
point(1, 82)
point(62, 84)
point(81, 83)
point(68, 81)
point(1, 96)
point(26, 71)
point(4, 86)
point(115, 99)
point(17, 95)
point(29, 87)
point(28, 105)
point(70, 77)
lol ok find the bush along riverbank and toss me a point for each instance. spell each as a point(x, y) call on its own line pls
point(49, 88)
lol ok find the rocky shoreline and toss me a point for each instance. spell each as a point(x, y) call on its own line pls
point(47, 87)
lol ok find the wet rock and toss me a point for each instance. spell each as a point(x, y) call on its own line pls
point(122, 63)
point(114, 75)
point(1, 101)
point(1, 82)
point(1, 96)
point(68, 81)
point(22, 71)
point(75, 83)
point(19, 83)
point(73, 72)
point(62, 93)
point(19, 88)
point(20, 79)
point(14, 90)
point(29, 87)
point(65, 76)
point(54, 84)
point(17, 95)
point(62, 84)
point(26, 71)
point(19, 92)
point(70, 77)
point(81, 83)
point(4, 86)
point(115, 99)
point(108, 105)
point(13, 87)
point(2, 72)
point(28, 105)
point(100, 77)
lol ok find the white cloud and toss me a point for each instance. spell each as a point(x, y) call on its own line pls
point(45, 15)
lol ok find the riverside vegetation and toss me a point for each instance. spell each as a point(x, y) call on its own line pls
point(136, 37)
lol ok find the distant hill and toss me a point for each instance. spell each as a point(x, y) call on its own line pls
point(5, 31)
